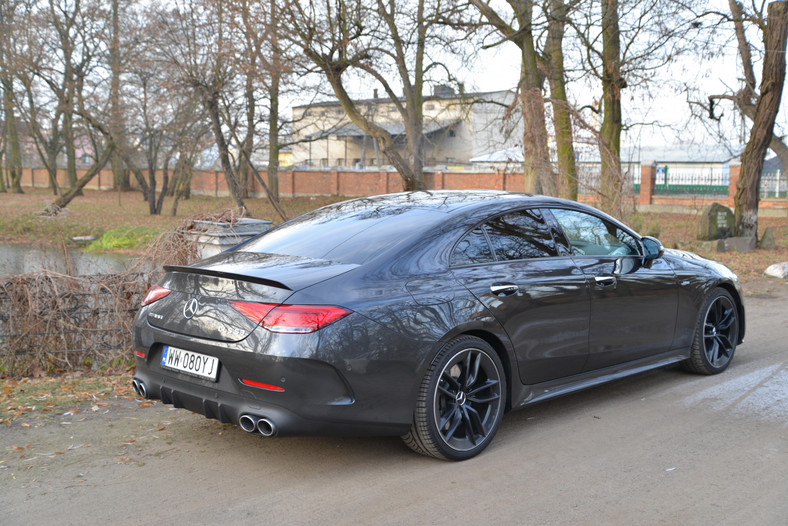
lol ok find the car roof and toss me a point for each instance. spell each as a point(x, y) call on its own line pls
point(356, 230)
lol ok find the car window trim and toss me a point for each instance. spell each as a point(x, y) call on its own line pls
point(637, 237)
point(482, 224)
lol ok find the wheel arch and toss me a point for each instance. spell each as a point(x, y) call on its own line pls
point(737, 299)
point(500, 349)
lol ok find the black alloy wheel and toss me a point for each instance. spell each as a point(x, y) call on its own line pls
point(461, 401)
point(715, 335)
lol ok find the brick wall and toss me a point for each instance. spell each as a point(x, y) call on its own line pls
point(358, 183)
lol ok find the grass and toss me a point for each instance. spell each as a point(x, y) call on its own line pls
point(120, 221)
point(48, 396)
point(123, 238)
point(99, 212)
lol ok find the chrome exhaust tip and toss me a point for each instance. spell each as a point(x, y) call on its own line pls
point(248, 423)
point(139, 388)
point(266, 427)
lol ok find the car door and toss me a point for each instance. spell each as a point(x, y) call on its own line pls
point(633, 302)
point(512, 264)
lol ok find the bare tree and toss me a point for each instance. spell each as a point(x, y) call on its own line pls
point(538, 172)
point(622, 44)
point(71, 31)
point(119, 174)
point(8, 31)
point(759, 106)
point(193, 44)
point(265, 63)
point(394, 43)
point(557, 12)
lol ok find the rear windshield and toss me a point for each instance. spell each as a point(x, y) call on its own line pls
point(337, 234)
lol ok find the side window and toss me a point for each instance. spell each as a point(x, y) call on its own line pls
point(473, 248)
point(591, 235)
point(521, 235)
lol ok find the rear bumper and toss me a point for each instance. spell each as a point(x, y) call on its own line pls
point(320, 390)
point(228, 408)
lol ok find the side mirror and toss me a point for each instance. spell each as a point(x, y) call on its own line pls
point(654, 249)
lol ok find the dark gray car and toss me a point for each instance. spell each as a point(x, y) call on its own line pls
point(427, 315)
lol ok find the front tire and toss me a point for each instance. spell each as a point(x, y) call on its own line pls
point(461, 401)
point(716, 334)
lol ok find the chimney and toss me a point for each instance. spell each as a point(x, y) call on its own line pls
point(443, 91)
point(375, 94)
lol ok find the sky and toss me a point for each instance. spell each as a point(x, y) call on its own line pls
point(663, 111)
point(658, 115)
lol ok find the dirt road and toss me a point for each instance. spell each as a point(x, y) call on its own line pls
point(666, 447)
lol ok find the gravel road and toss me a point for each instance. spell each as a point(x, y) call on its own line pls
point(666, 447)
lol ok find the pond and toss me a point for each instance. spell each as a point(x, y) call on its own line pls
point(23, 258)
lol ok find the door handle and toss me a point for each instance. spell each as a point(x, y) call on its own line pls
point(605, 281)
point(503, 289)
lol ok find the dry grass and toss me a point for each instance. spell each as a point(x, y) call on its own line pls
point(99, 211)
point(680, 228)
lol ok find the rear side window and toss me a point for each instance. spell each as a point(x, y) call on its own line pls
point(473, 248)
point(592, 235)
point(518, 235)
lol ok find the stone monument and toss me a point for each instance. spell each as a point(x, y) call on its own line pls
point(716, 222)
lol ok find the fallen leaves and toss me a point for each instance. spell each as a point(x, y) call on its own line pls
point(60, 394)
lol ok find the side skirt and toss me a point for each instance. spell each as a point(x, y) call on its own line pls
point(523, 395)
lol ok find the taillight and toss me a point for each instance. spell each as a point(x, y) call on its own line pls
point(254, 311)
point(290, 318)
point(154, 294)
point(302, 318)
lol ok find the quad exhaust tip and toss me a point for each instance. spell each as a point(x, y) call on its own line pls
point(266, 427)
point(139, 388)
point(262, 425)
point(248, 423)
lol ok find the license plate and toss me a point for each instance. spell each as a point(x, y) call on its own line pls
point(190, 362)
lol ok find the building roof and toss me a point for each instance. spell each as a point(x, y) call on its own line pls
point(393, 128)
point(386, 99)
point(660, 154)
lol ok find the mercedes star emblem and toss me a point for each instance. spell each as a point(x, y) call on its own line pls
point(190, 309)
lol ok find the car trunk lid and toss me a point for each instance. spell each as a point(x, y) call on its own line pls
point(201, 295)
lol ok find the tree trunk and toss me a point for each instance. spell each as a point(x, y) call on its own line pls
point(273, 136)
point(537, 170)
point(151, 188)
point(182, 184)
point(762, 131)
point(13, 151)
point(212, 107)
point(248, 142)
point(68, 128)
point(120, 177)
point(64, 200)
point(165, 181)
point(562, 117)
point(411, 180)
point(611, 180)
point(273, 97)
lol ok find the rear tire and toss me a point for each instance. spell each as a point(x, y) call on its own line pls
point(460, 403)
point(716, 334)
